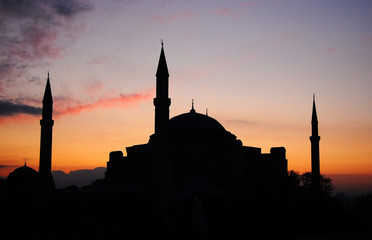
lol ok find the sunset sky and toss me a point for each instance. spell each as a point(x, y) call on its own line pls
point(254, 64)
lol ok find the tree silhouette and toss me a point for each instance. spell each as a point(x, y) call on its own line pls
point(303, 183)
point(325, 187)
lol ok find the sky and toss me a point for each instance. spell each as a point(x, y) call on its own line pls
point(254, 64)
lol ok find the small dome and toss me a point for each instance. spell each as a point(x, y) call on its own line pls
point(23, 179)
point(24, 172)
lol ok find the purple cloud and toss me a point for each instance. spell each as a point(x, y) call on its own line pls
point(9, 108)
point(29, 32)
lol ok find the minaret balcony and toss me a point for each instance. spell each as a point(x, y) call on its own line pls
point(46, 122)
point(162, 102)
point(315, 138)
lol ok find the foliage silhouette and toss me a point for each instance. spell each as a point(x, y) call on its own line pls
point(303, 182)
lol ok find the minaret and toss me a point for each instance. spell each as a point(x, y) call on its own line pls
point(161, 180)
point(162, 101)
point(45, 165)
point(315, 138)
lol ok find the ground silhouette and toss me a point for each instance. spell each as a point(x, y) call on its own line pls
point(92, 212)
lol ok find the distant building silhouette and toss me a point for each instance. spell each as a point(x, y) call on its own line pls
point(193, 150)
point(26, 179)
point(315, 138)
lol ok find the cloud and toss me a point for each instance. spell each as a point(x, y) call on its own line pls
point(245, 122)
point(30, 32)
point(79, 178)
point(23, 109)
point(36, 43)
point(69, 8)
point(68, 106)
point(5, 169)
point(7, 166)
point(173, 17)
point(8, 108)
point(8, 72)
point(92, 88)
point(44, 9)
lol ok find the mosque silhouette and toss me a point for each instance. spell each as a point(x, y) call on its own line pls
point(192, 180)
point(191, 149)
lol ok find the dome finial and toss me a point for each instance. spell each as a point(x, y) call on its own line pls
point(192, 107)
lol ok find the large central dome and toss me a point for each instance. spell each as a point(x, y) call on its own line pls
point(195, 128)
point(193, 121)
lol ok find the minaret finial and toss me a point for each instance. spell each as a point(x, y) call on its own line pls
point(162, 65)
point(314, 118)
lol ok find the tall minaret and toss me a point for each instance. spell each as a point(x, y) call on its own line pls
point(315, 138)
point(162, 101)
point(161, 180)
point(45, 165)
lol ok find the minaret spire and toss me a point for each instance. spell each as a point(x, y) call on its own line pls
point(315, 138)
point(162, 70)
point(46, 122)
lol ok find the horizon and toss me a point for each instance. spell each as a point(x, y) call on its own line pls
point(351, 184)
point(254, 65)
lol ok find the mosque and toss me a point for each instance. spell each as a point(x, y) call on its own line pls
point(193, 149)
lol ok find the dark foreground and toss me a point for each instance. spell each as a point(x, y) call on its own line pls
point(85, 214)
